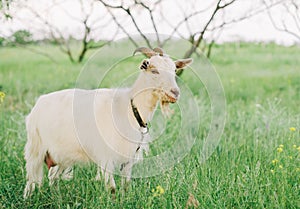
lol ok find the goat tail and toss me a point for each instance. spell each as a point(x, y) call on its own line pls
point(34, 156)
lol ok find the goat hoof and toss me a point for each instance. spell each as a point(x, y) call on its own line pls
point(113, 193)
point(113, 190)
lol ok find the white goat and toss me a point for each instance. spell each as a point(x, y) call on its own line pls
point(61, 132)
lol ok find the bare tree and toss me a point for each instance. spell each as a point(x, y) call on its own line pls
point(128, 11)
point(156, 17)
point(290, 23)
point(196, 41)
point(150, 8)
point(216, 28)
point(201, 23)
point(85, 20)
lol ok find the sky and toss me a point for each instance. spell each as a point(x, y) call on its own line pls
point(66, 15)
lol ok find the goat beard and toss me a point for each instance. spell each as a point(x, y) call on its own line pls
point(164, 103)
point(165, 108)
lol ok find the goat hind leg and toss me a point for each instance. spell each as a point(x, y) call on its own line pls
point(67, 174)
point(54, 173)
point(34, 169)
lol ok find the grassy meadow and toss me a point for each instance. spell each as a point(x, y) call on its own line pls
point(256, 164)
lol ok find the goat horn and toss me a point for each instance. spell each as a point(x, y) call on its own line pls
point(146, 51)
point(159, 50)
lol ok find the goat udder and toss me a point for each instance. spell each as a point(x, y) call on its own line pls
point(49, 161)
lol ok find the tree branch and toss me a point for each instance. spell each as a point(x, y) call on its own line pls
point(284, 27)
point(186, 18)
point(63, 44)
point(200, 38)
point(152, 19)
point(122, 28)
point(244, 17)
point(128, 12)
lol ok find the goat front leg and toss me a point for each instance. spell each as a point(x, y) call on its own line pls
point(126, 175)
point(108, 178)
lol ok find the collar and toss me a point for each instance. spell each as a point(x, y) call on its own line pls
point(144, 129)
point(138, 116)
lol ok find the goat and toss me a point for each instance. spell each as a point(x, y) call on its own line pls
point(55, 136)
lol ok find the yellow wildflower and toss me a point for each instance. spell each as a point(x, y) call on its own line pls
point(298, 148)
point(281, 146)
point(280, 166)
point(2, 96)
point(272, 171)
point(292, 129)
point(274, 161)
point(298, 169)
point(158, 191)
point(295, 146)
point(279, 149)
point(291, 157)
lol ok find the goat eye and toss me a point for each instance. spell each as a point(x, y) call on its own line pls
point(154, 71)
point(145, 65)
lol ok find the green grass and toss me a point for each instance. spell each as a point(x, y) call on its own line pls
point(262, 88)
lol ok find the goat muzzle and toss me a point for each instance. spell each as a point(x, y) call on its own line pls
point(170, 99)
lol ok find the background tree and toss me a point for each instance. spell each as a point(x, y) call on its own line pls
point(97, 22)
point(201, 23)
point(21, 37)
point(290, 20)
point(85, 30)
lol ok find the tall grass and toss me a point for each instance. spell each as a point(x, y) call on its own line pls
point(256, 164)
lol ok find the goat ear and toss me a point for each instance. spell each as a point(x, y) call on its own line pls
point(182, 63)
